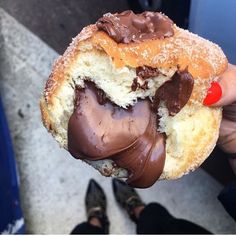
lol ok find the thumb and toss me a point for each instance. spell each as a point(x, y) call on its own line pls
point(224, 92)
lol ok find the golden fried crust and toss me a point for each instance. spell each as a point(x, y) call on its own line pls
point(203, 59)
point(62, 66)
point(185, 50)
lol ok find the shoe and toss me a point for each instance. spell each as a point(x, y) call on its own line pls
point(96, 204)
point(127, 197)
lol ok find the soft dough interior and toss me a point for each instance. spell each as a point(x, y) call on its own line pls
point(187, 132)
point(115, 82)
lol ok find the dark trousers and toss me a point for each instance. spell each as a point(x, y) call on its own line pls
point(154, 219)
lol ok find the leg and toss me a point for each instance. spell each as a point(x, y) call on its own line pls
point(228, 198)
point(127, 198)
point(155, 219)
point(87, 228)
point(95, 202)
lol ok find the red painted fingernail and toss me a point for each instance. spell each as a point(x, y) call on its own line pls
point(214, 94)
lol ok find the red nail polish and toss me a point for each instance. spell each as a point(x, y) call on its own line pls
point(214, 94)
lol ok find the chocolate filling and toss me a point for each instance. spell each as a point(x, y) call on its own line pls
point(135, 85)
point(175, 93)
point(98, 129)
point(128, 27)
point(146, 72)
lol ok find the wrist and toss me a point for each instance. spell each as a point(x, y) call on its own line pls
point(231, 156)
point(227, 138)
point(232, 163)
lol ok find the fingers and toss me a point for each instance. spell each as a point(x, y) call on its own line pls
point(224, 92)
point(233, 165)
point(214, 94)
point(228, 85)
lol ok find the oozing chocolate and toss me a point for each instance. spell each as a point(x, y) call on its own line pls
point(146, 72)
point(101, 96)
point(175, 93)
point(98, 129)
point(128, 137)
point(135, 85)
point(128, 27)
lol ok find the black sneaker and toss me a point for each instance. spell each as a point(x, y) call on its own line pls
point(127, 197)
point(96, 204)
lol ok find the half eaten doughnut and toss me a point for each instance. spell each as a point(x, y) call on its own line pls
point(126, 97)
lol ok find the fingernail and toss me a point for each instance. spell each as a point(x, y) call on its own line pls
point(214, 94)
